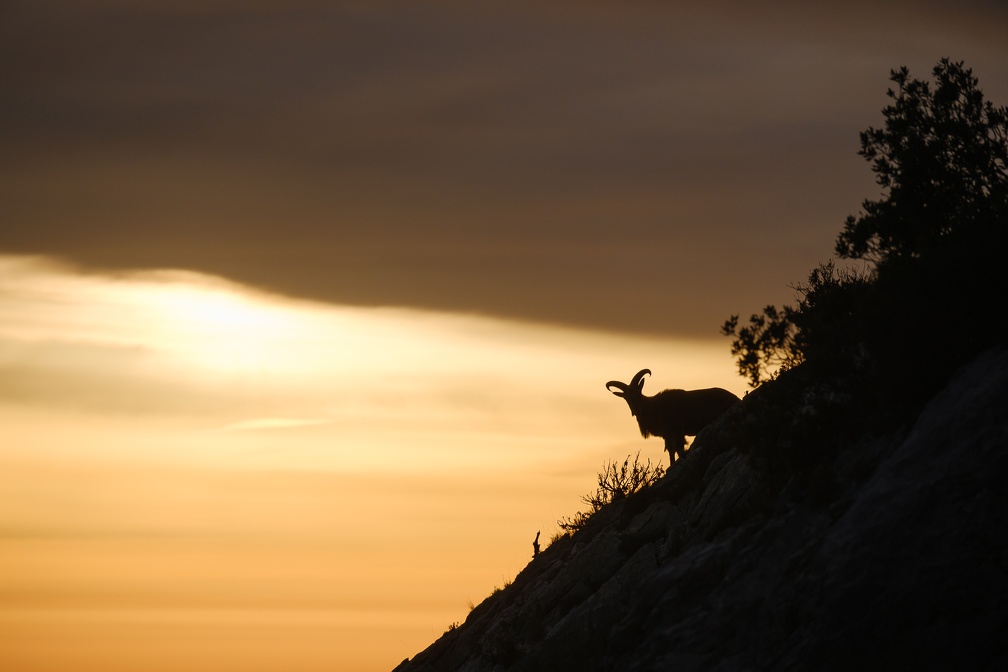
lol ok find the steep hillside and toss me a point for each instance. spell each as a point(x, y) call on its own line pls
point(782, 541)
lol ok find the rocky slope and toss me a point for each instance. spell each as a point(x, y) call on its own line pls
point(782, 541)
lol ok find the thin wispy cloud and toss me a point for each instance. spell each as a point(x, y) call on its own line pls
point(214, 354)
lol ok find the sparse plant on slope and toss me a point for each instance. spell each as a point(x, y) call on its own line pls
point(615, 481)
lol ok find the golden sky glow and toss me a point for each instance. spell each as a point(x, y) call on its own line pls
point(187, 460)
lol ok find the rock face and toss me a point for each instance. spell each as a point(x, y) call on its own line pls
point(780, 543)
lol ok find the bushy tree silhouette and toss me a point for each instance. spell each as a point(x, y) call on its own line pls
point(932, 291)
point(941, 161)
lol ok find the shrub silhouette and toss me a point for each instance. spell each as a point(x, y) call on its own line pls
point(929, 296)
point(615, 482)
point(824, 326)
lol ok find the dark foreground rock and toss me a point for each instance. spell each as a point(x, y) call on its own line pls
point(780, 543)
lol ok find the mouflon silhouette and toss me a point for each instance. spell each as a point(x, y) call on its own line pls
point(672, 414)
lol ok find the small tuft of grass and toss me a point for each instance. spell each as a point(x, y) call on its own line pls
point(560, 535)
point(497, 589)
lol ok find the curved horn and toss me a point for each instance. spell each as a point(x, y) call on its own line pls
point(640, 375)
point(622, 387)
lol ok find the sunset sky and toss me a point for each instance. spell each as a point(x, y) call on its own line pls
point(306, 308)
